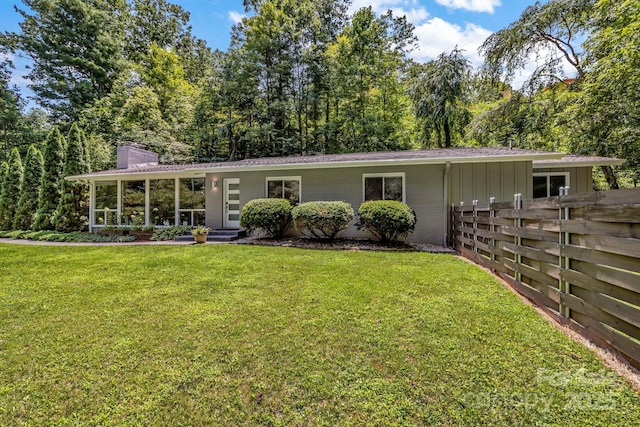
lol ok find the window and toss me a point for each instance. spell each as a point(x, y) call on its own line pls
point(162, 202)
point(548, 184)
point(287, 187)
point(133, 203)
point(106, 203)
point(192, 201)
point(383, 187)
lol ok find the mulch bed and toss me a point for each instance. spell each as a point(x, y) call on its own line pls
point(345, 244)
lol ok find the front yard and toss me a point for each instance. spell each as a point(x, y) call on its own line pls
point(233, 335)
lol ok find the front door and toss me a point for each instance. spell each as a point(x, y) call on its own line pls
point(232, 203)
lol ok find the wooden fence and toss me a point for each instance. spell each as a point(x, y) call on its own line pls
point(576, 256)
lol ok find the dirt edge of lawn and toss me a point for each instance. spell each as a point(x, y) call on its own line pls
point(608, 357)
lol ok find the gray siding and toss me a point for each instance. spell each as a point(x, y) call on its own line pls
point(580, 178)
point(480, 181)
point(424, 188)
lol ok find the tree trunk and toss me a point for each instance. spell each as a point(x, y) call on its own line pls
point(612, 180)
point(447, 134)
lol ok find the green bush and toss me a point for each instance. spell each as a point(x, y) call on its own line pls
point(272, 216)
point(171, 233)
point(322, 220)
point(388, 220)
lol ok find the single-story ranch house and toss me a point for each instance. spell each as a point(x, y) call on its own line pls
point(141, 192)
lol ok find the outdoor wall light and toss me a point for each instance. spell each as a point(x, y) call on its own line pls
point(214, 183)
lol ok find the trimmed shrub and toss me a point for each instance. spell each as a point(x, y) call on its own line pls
point(171, 233)
point(272, 216)
point(322, 220)
point(388, 220)
point(50, 190)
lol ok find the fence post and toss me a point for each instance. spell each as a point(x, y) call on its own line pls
point(492, 230)
point(563, 239)
point(475, 227)
point(517, 205)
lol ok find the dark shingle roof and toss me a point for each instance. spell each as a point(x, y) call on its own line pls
point(569, 160)
point(453, 155)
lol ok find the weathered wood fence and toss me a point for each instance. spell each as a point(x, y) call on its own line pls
point(576, 256)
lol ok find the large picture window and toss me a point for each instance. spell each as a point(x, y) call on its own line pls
point(105, 208)
point(192, 201)
point(287, 187)
point(133, 203)
point(548, 184)
point(162, 202)
point(383, 187)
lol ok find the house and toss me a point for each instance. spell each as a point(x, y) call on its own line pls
point(142, 192)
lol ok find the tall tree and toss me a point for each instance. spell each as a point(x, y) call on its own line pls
point(72, 213)
point(50, 190)
point(11, 190)
point(4, 168)
point(604, 120)
point(439, 96)
point(29, 190)
point(76, 50)
point(550, 32)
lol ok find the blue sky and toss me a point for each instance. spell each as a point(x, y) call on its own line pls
point(440, 25)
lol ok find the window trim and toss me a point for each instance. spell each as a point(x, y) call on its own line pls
point(283, 178)
point(548, 175)
point(385, 175)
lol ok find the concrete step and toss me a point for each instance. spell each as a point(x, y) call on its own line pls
point(219, 235)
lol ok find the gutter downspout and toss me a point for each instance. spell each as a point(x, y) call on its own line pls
point(447, 169)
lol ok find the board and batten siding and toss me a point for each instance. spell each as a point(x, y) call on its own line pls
point(424, 187)
point(580, 178)
point(480, 181)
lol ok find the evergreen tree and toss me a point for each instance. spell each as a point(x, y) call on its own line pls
point(73, 209)
point(11, 190)
point(4, 167)
point(29, 189)
point(50, 190)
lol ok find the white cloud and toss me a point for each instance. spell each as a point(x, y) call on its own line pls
point(471, 5)
point(411, 8)
point(236, 17)
point(436, 36)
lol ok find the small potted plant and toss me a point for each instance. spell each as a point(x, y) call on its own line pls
point(200, 233)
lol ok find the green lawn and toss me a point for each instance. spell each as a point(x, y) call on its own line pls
point(242, 335)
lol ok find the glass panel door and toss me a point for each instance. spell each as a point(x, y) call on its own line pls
point(232, 203)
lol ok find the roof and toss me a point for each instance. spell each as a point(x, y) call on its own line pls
point(323, 161)
point(574, 160)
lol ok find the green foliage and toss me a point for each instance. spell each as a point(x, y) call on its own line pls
point(76, 50)
point(29, 190)
point(439, 97)
point(322, 220)
point(170, 233)
point(388, 220)
point(51, 188)
point(271, 216)
point(10, 190)
point(72, 213)
point(604, 119)
point(57, 236)
point(556, 25)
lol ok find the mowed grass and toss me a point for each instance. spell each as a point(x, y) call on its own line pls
point(241, 335)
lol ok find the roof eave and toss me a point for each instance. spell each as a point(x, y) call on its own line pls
point(198, 171)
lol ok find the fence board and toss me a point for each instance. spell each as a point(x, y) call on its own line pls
point(614, 245)
point(616, 308)
point(576, 278)
point(626, 214)
point(620, 278)
point(582, 226)
point(597, 257)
